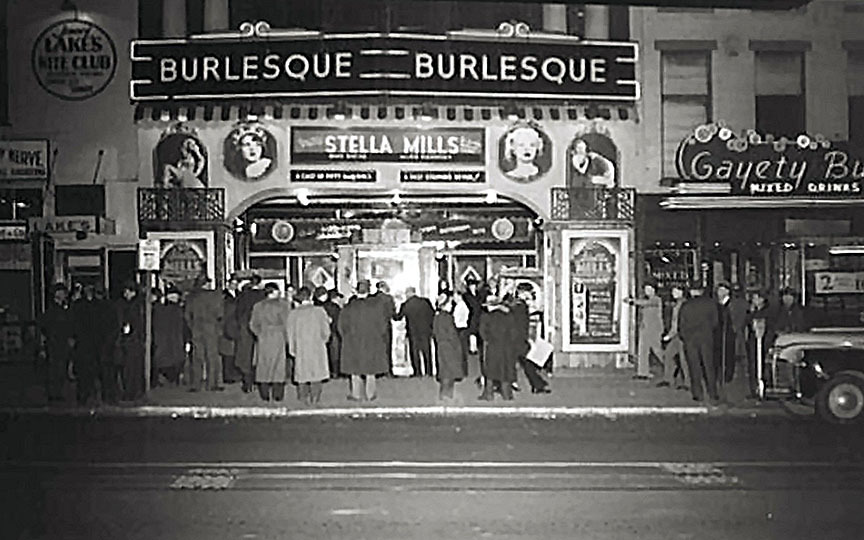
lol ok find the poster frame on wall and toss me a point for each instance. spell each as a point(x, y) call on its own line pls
point(168, 239)
point(622, 289)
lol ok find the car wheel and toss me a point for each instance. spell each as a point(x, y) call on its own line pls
point(841, 399)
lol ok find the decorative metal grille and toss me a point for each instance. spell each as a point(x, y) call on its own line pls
point(593, 204)
point(180, 205)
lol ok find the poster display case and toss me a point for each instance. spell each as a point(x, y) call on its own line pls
point(596, 280)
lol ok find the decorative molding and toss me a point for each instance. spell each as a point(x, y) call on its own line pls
point(664, 45)
point(762, 45)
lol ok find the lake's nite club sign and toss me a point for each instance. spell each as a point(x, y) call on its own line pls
point(762, 165)
point(373, 64)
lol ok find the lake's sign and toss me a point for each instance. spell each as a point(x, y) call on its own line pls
point(74, 59)
point(328, 145)
point(759, 165)
point(285, 65)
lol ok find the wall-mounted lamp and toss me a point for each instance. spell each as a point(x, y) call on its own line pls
point(303, 197)
point(491, 196)
point(511, 112)
point(428, 113)
point(338, 112)
point(396, 200)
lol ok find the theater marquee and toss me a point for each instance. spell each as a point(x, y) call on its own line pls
point(374, 64)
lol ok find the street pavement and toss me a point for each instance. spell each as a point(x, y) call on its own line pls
point(398, 477)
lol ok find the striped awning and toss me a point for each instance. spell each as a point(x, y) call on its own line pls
point(233, 110)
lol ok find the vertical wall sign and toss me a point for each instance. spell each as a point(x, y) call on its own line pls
point(74, 59)
point(595, 276)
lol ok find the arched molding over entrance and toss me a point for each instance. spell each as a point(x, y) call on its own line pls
point(289, 193)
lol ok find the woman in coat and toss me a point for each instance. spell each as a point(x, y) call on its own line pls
point(448, 348)
point(308, 329)
point(268, 324)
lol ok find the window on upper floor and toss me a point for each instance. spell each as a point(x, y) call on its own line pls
point(149, 19)
point(855, 87)
point(619, 23)
point(686, 100)
point(780, 102)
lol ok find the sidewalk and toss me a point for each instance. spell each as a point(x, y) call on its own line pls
point(575, 392)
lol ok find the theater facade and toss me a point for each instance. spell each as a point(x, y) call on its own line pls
point(421, 160)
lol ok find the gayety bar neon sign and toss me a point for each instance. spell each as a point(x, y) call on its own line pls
point(763, 165)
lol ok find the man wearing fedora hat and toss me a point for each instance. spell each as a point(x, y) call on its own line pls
point(364, 350)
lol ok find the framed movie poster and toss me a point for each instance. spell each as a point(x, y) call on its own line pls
point(595, 282)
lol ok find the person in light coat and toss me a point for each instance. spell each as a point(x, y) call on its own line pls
point(268, 324)
point(308, 329)
point(673, 355)
point(650, 330)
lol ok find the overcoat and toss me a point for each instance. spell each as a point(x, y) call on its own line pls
point(364, 346)
point(308, 329)
point(169, 336)
point(268, 324)
point(418, 313)
point(245, 340)
point(129, 346)
point(448, 349)
point(497, 330)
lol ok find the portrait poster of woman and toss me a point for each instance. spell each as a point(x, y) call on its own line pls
point(592, 161)
point(180, 159)
point(249, 152)
point(524, 152)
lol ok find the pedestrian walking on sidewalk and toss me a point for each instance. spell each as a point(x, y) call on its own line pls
point(56, 325)
point(268, 324)
point(418, 314)
point(676, 372)
point(328, 300)
point(203, 313)
point(364, 347)
point(245, 341)
point(128, 337)
point(650, 316)
point(308, 329)
point(448, 349)
point(697, 322)
point(497, 330)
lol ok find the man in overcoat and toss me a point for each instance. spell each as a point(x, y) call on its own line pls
point(203, 313)
point(497, 329)
point(268, 324)
point(170, 335)
point(386, 313)
point(128, 333)
point(308, 329)
point(418, 314)
point(245, 340)
point(364, 351)
point(89, 331)
point(448, 349)
point(57, 326)
point(697, 322)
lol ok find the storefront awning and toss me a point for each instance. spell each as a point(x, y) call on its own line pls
point(458, 112)
point(739, 202)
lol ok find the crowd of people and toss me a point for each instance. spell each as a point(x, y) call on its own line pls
point(261, 337)
point(705, 338)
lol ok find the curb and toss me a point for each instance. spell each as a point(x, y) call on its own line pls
point(149, 411)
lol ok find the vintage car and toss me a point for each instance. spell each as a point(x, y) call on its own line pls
point(823, 367)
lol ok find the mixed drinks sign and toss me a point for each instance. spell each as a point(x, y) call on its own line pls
point(328, 145)
point(374, 64)
point(762, 166)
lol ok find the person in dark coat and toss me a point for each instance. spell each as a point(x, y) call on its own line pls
point(228, 338)
point(245, 341)
point(448, 348)
point(128, 338)
point(386, 312)
point(730, 337)
point(204, 312)
point(521, 344)
point(56, 325)
point(418, 314)
point(697, 322)
point(474, 299)
point(364, 348)
point(89, 332)
point(170, 335)
point(790, 316)
point(497, 330)
point(327, 300)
